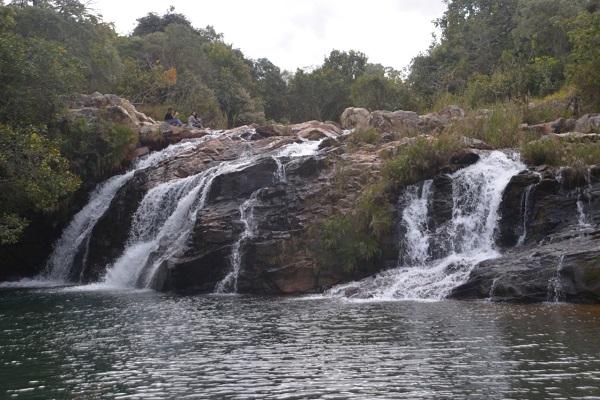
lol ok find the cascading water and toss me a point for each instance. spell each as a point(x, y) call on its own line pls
point(163, 221)
point(229, 283)
point(525, 206)
point(582, 218)
point(414, 219)
point(162, 225)
point(295, 150)
point(77, 234)
point(555, 289)
point(468, 236)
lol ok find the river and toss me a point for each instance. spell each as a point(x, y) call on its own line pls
point(81, 343)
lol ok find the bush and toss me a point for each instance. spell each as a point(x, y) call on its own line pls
point(560, 153)
point(421, 160)
point(97, 149)
point(545, 111)
point(34, 177)
point(354, 239)
point(500, 129)
point(370, 136)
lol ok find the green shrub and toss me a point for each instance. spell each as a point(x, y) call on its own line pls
point(500, 129)
point(353, 239)
point(97, 149)
point(544, 112)
point(420, 160)
point(370, 136)
point(560, 153)
point(543, 152)
point(34, 177)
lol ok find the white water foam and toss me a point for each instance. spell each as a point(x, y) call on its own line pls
point(469, 237)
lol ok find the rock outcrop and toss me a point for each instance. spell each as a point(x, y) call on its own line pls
point(268, 204)
point(549, 233)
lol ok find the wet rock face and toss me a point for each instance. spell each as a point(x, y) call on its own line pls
point(565, 269)
point(551, 248)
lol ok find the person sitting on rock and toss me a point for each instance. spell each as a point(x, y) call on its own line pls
point(194, 121)
point(171, 117)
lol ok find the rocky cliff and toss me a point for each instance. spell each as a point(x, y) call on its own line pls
point(243, 210)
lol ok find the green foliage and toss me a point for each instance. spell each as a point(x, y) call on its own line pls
point(584, 62)
point(497, 50)
point(11, 228)
point(69, 24)
point(500, 129)
point(354, 239)
point(543, 112)
point(324, 93)
point(419, 160)
point(97, 149)
point(34, 76)
point(153, 22)
point(379, 92)
point(559, 152)
point(370, 136)
point(34, 177)
point(271, 88)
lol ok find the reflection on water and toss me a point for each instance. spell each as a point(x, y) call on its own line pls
point(67, 344)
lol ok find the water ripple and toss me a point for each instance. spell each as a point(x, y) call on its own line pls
point(144, 345)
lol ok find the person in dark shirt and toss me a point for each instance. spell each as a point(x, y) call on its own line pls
point(171, 117)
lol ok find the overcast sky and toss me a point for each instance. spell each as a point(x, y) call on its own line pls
point(298, 34)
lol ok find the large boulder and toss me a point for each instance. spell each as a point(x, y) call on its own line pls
point(589, 123)
point(450, 114)
point(402, 122)
point(115, 108)
point(567, 269)
point(354, 117)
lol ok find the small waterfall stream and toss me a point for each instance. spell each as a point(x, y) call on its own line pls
point(468, 236)
point(526, 207)
point(229, 283)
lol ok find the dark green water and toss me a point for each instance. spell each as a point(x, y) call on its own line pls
point(65, 344)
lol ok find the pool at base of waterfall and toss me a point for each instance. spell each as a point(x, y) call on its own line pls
point(101, 344)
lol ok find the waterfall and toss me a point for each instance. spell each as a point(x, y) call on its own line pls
point(77, 234)
point(162, 224)
point(468, 237)
point(229, 284)
point(414, 219)
point(582, 219)
point(163, 221)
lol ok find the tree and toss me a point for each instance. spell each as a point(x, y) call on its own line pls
point(230, 78)
point(35, 75)
point(69, 24)
point(474, 34)
point(271, 88)
point(324, 93)
point(583, 69)
point(378, 92)
point(33, 178)
point(153, 22)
